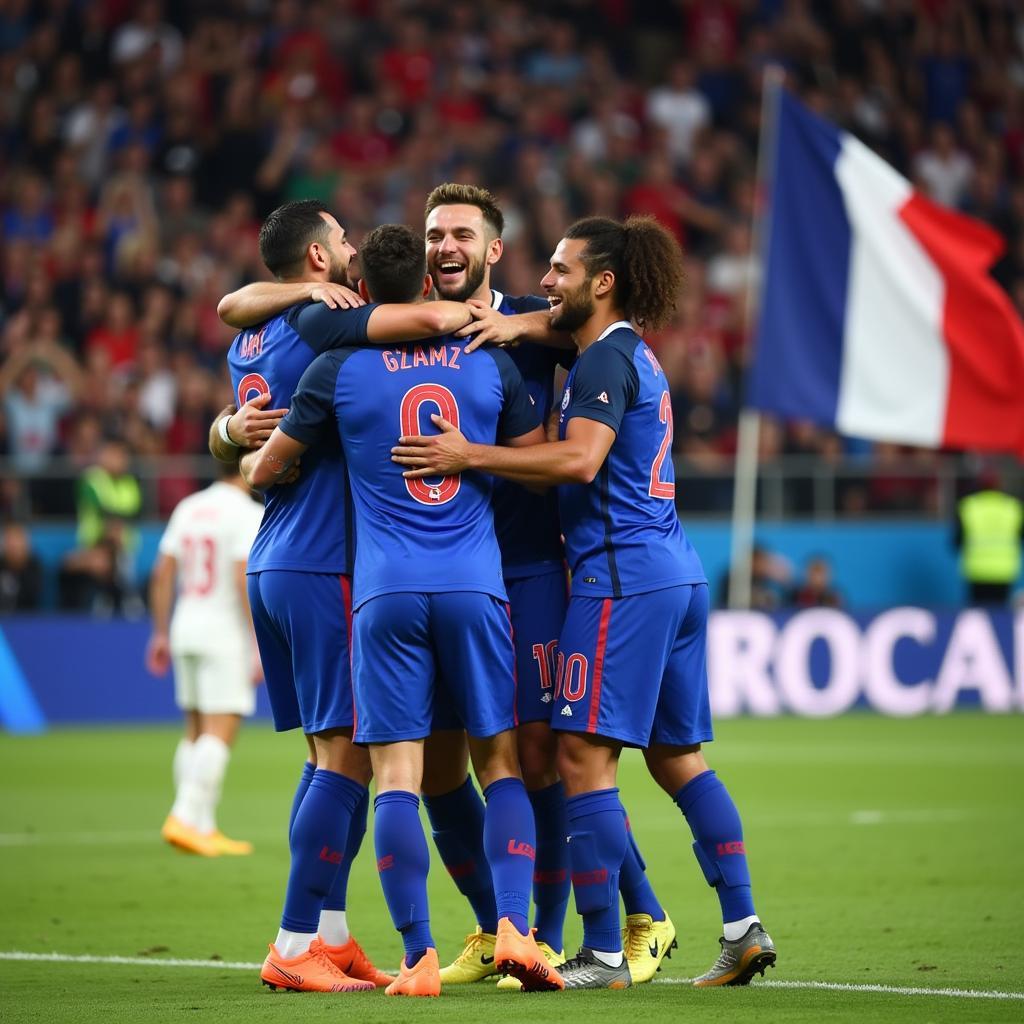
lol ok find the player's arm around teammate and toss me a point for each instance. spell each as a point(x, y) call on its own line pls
point(235, 429)
point(635, 579)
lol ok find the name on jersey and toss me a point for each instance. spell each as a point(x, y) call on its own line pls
point(420, 355)
point(253, 346)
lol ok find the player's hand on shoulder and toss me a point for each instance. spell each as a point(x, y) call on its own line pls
point(443, 454)
point(336, 296)
point(254, 423)
point(158, 654)
point(488, 327)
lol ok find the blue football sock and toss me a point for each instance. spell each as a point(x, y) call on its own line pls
point(457, 822)
point(317, 844)
point(597, 845)
point(510, 840)
point(308, 768)
point(551, 882)
point(402, 862)
point(637, 895)
point(337, 897)
point(716, 827)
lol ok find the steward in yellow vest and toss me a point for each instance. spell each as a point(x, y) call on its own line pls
point(990, 527)
point(106, 492)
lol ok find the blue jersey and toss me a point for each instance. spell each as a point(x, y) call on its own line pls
point(529, 535)
point(306, 525)
point(431, 535)
point(621, 530)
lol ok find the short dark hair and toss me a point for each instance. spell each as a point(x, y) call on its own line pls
point(453, 194)
point(394, 263)
point(287, 233)
point(644, 257)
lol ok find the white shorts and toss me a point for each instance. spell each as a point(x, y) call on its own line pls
point(214, 682)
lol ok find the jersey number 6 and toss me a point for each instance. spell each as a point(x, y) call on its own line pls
point(447, 487)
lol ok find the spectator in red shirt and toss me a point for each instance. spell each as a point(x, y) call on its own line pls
point(410, 62)
point(118, 334)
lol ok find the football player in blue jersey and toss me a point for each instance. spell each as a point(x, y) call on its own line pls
point(464, 225)
point(631, 660)
point(432, 632)
point(300, 591)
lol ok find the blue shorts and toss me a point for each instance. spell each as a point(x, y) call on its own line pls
point(633, 668)
point(432, 661)
point(537, 605)
point(303, 624)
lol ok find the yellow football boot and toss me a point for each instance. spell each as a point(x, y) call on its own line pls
point(646, 943)
point(474, 963)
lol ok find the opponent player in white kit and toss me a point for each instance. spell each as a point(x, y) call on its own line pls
point(210, 643)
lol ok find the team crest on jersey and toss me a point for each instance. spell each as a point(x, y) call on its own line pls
point(565, 399)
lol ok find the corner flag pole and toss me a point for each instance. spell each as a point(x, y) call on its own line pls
point(744, 500)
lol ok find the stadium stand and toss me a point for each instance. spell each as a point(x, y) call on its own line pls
point(143, 142)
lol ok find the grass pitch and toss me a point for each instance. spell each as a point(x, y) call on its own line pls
point(884, 852)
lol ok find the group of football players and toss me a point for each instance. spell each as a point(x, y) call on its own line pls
point(447, 573)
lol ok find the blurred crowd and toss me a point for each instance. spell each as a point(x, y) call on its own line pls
point(142, 142)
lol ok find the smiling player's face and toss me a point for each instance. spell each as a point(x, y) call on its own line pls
point(458, 247)
point(567, 286)
point(341, 252)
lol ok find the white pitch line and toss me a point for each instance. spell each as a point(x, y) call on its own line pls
point(239, 965)
point(855, 818)
point(897, 990)
point(127, 961)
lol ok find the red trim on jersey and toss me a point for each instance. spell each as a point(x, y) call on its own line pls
point(346, 601)
point(515, 672)
point(602, 643)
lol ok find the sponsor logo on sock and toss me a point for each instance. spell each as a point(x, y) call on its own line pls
point(386, 862)
point(331, 856)
point(550, 877)
point(724, 849)
point(567, 711)
point(467, 867)
point(590, 877)
point(521, 849)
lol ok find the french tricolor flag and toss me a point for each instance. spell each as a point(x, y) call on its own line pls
point(878, 314)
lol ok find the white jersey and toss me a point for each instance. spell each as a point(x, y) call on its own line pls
point(209, 533)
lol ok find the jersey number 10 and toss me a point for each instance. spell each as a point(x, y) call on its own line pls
point(438, 395)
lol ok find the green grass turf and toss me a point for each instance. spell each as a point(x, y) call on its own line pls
point(883, 851)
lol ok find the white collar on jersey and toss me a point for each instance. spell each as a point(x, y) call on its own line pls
point(614, 327)
point(496, 298)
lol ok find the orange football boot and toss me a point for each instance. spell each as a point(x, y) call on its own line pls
point(312, 971)
point(230, 847)
point(520, 956)
point(188, 838)
point(351, 960)
point(422, 979)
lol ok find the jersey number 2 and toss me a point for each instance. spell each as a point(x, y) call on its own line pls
point(663, 488)
point(447, 487)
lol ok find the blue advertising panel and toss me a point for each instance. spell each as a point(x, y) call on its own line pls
point(817, 663)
